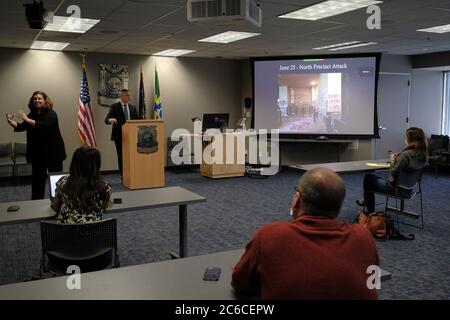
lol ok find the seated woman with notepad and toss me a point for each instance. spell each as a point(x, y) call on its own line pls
point(83, 195)
point(413, 156)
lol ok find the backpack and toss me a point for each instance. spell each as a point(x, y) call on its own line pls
point(381, 226)
point(376, 224)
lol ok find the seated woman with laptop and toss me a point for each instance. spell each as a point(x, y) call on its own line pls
point(83, 195)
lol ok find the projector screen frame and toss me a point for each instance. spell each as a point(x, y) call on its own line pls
point(376, 55)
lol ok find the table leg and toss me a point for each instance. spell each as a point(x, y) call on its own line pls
point(183, 230)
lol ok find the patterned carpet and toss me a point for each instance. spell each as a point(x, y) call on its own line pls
point(235, 208)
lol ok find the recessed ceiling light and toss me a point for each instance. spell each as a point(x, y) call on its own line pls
point(353, 46)
point(439, 29)
point(173, 52)
point(229, 36)
point(337, 45)
point(49, 45)
point(328, 9)
point(70, 24)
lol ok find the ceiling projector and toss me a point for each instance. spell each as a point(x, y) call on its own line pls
point(37, 15)
point(220, 12)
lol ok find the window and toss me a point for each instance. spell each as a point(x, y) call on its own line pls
point(446, 105)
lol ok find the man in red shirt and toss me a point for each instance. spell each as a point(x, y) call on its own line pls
point(314, 256)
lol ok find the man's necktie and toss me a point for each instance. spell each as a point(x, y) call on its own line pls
point(125, 111)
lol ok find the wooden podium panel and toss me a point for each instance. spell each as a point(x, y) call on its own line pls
point(225, 170)
point(142, 170)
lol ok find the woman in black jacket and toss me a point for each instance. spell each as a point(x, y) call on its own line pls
point(45, 146)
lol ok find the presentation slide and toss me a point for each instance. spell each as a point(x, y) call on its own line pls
point(319, 96)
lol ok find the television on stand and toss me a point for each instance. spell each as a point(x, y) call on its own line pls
point(215, 121)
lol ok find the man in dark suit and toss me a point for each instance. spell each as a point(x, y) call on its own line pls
point(118, 114)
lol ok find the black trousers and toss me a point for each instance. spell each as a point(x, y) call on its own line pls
point(39, 178)
point(118, 144)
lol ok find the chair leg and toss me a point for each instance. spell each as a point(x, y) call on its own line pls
point(421, 211)
point(41, 268)
point(386, 205)
point(416, 214)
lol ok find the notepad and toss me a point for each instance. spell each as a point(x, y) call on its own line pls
point(373, 164)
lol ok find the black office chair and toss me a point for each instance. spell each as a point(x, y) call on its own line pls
point(20, 158)
point(90, 246)
point(407, 188)
point(6, 159)
point(437, 149)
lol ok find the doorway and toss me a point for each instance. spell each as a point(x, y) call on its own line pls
point(393, 112)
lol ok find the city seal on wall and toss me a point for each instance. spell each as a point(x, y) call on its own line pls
point(112, 79)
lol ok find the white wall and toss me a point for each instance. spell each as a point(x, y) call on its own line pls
point(426, 93)
point(189, 87)
point(426, 101)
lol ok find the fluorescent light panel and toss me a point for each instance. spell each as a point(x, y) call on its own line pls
point(438, 29)
point(328, 9)
point(229, 36)
point(173, 52)
point(70, 24)
point(48, 45)
point(353, 46)
point(337, 45)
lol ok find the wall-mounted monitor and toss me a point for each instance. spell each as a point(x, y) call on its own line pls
point(215, 120)
point(317, 95)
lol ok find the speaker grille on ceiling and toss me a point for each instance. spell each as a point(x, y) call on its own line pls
point(214, 8)
point(198, 9)
point(254, 11)
point(233, 7)
point(238, 12)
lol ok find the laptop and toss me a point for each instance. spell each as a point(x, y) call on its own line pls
point(53, 177)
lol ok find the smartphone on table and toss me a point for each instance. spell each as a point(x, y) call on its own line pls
point(212, 274)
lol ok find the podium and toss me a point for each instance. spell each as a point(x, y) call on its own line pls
point(224, 169)
point(142, 170)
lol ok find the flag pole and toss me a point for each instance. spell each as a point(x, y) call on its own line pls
point(83, 56)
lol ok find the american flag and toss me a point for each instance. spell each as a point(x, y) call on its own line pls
point(86, 129)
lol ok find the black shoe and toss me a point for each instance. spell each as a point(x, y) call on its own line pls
point(361, 203)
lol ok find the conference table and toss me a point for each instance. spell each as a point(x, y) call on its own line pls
point(37, 210)
point(180, 279)
point(348, 166)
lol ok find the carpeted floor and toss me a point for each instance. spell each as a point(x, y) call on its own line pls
point(235, 208)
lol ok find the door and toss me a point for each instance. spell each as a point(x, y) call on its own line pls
point(393, 111)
